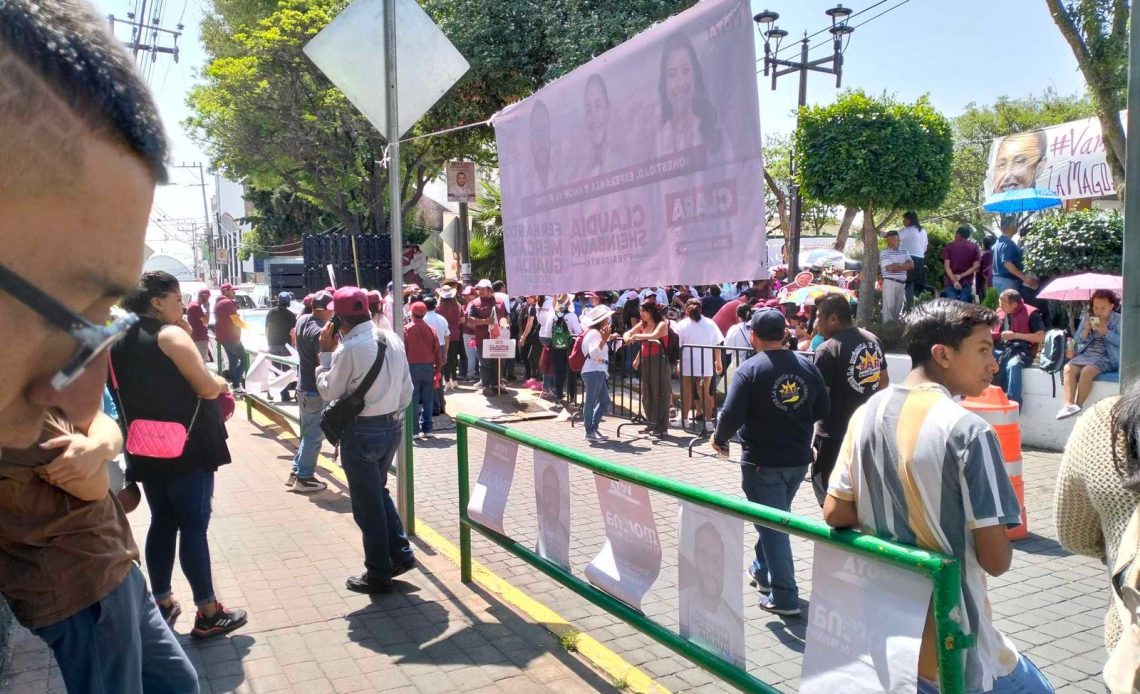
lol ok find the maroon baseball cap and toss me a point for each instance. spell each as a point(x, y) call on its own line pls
point(350, 301)
point(227, 287)
point(374, 298)
point(203, 292)
point(419, 309)
point(308, 300)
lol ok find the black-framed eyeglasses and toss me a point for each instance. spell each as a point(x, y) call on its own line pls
point(93, 339)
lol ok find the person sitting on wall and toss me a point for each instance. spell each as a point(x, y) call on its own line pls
point(1019, 333)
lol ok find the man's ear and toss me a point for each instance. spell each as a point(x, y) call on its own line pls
point(941, 354)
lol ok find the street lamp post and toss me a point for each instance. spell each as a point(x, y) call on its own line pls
point(778, 67)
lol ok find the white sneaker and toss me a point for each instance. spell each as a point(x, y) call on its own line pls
point(1068, 411)
point(709, 427)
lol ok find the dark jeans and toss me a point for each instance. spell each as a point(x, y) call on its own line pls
point(180, 516)
point(367, 448)
point(456, 361)
point(237, 362)
point(775, 487)
point(121, 644)
point(489, 372)
point(560, 358)
point(966, 293)
point(529, 354)
point(1011, 362)
point(423, 396)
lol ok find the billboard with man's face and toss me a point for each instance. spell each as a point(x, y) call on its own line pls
point(1068, 159)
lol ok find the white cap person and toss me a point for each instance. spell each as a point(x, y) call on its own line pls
point(595, 369)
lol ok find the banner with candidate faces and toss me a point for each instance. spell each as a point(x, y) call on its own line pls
point(710, 584)
point(489, 495)
point(645, 162)
point(552, 504)
point(630, 561)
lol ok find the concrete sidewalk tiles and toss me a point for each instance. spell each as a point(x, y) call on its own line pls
point(1050, 603)
point(285, 557)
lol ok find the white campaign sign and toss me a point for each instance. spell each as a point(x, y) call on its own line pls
point(489, 495)
point(865, 625)
point(552, 502)
point(710, 583)
point(642, 166)
point(630, 561)
point(498, 349)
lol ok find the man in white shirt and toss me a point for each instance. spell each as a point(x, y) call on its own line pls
point(439, 324)
point(894, 263)
point(370, 441)
point(595, 369)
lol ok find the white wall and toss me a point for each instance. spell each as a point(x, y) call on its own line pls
point(1039, 425)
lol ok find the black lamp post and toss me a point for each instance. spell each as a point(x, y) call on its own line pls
point(778, 67)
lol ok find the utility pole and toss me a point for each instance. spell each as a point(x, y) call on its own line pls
point(464, 245)
point(394, 229)
point(211, 249)
point(140, 29)
point(778, 67)
point(1130, 304)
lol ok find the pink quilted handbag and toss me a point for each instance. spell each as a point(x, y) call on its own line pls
point(152, 438)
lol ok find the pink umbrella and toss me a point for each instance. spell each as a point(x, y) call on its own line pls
point(1080, 287)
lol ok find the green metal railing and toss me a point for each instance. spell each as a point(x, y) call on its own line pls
point(943, 571)
point(409, 497)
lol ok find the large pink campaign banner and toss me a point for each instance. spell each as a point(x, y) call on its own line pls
point(643, 166)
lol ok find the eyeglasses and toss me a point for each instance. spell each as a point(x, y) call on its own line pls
point(93, 339)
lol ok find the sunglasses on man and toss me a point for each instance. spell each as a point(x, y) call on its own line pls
point(93, 340)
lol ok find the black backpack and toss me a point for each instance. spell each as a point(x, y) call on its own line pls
point(1051, 358)
point(673, 349)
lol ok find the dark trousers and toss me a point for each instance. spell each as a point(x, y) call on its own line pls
point(456, 361)
point(423, 396)
point(826, 453)
point(560, 358)
point(367, 448)
point(915, 280)
point(237, 362)
point(179, 517)
point(530, 352)
point(120, 644)
point(775, 487)
point(656, 390)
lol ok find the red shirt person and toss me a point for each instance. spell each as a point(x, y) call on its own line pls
point(198, 316)
point(227, 330)
point(425, 361)
point(483, 314)
point(962, 259)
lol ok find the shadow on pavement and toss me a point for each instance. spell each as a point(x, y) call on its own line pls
point(1042, 546)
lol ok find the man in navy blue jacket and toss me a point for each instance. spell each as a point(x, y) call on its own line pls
point(776, 396)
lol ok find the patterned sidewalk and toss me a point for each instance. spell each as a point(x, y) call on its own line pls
point(285, 557)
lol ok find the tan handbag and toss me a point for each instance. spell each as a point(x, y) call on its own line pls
point(1122, 671)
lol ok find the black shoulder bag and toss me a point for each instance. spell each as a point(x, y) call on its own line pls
point(340, 412)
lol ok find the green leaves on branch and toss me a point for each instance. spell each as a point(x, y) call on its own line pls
point(874, 152)
point(1074, 242)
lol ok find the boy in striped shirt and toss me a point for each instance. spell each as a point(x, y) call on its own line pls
point(918, 468)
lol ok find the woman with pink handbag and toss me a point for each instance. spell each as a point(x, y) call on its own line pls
point(170, 405)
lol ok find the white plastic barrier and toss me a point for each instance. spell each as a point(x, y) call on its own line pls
point(1039, 425)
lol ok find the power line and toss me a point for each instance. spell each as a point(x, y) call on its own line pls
point(828, 28)
point(866, 21)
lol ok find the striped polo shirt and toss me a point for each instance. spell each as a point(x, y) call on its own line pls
point(890, 256)
point(924, 471)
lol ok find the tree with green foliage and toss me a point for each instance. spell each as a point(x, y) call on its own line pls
point(1074, 242)
point(269, 118)
point(974, 132)
point(1097, 33)
point(876, 155)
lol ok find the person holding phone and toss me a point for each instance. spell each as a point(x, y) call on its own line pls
point(1098, 350)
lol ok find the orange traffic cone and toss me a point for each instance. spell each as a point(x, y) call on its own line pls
point(1002, 415)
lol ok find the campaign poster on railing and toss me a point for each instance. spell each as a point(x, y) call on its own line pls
point(552, 502)
point(864, 627)
point(489, 495)
point(630, 561)
point(710, 584)
point(643, 164)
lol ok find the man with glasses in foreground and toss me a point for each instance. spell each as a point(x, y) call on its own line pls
point(81, 149)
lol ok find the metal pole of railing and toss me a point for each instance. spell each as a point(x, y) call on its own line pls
point(409, 470)
point(464, 498)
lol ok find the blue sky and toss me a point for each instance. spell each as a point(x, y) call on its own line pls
point(957, 52)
